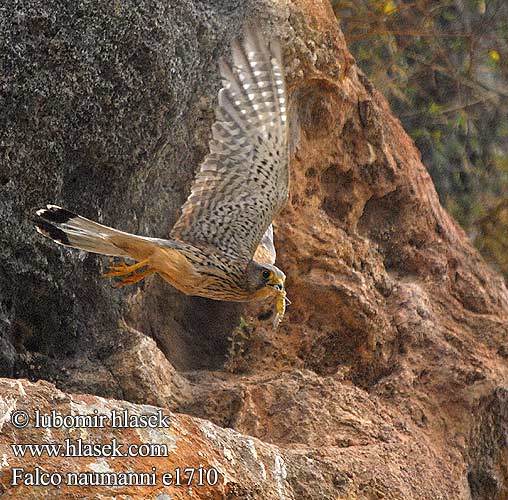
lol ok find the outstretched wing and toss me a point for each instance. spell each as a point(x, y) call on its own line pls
point(243, 182)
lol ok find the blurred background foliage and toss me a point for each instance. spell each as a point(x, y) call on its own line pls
point(443, 65)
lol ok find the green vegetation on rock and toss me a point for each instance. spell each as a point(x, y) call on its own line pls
point(443, 66)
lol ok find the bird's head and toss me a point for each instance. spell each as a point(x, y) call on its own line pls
point(263, 276)
point(265, 280)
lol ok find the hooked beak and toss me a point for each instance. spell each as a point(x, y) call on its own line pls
point(278, 284)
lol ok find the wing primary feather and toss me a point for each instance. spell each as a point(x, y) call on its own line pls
point(228, 112)
point(233, 83)
point(273, 81)
point(243, 66)
point(253, 47)
point(277, 80)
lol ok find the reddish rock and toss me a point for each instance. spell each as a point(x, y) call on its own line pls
point(242, 464)
point(394, 314)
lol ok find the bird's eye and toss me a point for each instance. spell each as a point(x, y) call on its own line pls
point(266, 274)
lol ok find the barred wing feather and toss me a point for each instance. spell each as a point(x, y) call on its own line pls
point(243, 182)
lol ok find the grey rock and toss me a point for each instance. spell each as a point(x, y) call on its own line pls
point(488, 445)
point(106, 110)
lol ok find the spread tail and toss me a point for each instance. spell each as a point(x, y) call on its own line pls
point(72, 230)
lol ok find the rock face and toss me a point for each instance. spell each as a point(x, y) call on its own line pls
point(388, 377)
point(243, 464)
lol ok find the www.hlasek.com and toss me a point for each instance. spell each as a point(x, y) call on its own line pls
point(179, 476)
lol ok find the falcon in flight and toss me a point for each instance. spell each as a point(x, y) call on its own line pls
point(222, 245)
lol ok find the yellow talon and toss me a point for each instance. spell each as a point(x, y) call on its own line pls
point(130, 280)
point(124, 270)
point(116, 270)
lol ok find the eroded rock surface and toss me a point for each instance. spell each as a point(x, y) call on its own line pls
point(387, 378)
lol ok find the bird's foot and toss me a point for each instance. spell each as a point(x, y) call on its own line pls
point(123, 271)
point(134, 278)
